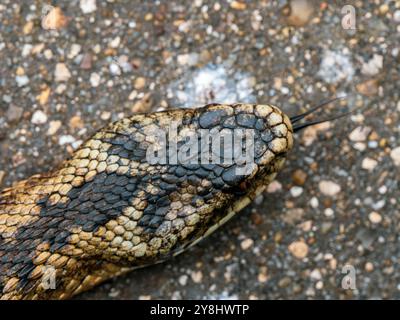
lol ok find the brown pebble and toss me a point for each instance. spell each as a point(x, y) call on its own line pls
point(140, 82)
point(256, 218)
point(44, 95)
point(368, 88)
point(299, 249)
point(27, 29)
point(143, 105)
point(299, 12)
point(14, 113)
point(76, 122)
point(86, 62)
point(54, 19)
point(299, 177)
point(238, 5)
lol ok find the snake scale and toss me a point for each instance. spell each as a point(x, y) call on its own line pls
point(107, 210)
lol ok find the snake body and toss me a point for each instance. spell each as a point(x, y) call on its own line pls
point(107, 210)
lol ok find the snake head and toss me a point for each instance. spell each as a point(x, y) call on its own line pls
point(202, 166)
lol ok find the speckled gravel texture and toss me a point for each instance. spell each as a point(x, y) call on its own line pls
point(336, 203)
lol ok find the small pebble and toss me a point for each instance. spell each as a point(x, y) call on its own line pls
point(22, 80)
point(54, 19)
point(262, 275)
point(369, 164)
point(74, 51)
point(183, 279)
point(314, 202)
point(299, 177)
point(140, 82)
point(114, 43)
point(106, 115)
point(319, 285)
point(299, 249)
point(373, 66)
point(300, 12)
point(88, 6)
point(360, 134)
point(329, 188)
point(114, 293)
point(395, 155)
point(66, 139)
point(369, 87)
point(95, 79)
point(284, 282)
point(86, 62)
point(274, 186)
point(238, 5)
point(44, 95)
point(76, 122)
point(315, 275)
point(375, 217)
point(296, 191)
point(39, 117)
point(328, 212)
point(196, 276)
point(27, 29)
point(61, 73)
point(115, 69)
point(54, 126)
point(369, 267)
point(246, 243)
point(382, 190)
point(14, 113)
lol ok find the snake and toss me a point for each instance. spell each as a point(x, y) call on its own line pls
point(108, 210)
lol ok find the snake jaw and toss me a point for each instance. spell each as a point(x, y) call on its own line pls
point(108, 209)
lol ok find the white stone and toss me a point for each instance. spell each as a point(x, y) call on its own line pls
point(395, 155)
point(197, 276)
point(88, 6)
point(39, 117)
point(314, 202)
point(373, 66)
point(22, 80)
point(26, 49)
point(315, 275)
point(183, 280)
point(360, 146)
point(190, 59)
point(246, 243)
point(382, 189)
point(114, 43)
point(95, 79)
point(328, 212)
point(396, 16)
point(296, 191)
point(66, 139)
point(375, 217)
point(61, 73)
point(115, 69)
point(369, 164)
point(48, 54)
point(329, 188)
point(274, 186)
point(54, 126)
point(360, 133)
point(75, 49)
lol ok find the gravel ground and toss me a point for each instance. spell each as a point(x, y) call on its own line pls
point(66, 72)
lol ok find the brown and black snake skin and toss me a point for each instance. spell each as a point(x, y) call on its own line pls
point(107, 210)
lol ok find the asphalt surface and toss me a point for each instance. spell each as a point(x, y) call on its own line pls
point(335, 204)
